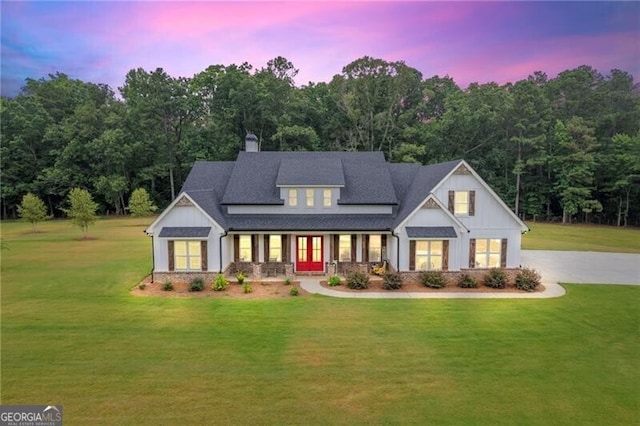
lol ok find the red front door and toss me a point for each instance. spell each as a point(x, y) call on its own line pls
point(309, 254)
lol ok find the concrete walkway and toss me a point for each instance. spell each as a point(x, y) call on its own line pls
point(554, 266)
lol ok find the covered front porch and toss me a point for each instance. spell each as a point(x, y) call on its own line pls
point(274, 254)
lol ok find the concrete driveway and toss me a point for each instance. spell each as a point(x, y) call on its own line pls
point(584, 267)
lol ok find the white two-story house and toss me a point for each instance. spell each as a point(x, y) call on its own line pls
point(318, 212)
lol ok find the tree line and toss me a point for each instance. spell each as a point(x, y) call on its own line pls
point(564, 148)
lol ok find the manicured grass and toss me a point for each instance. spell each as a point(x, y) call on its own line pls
point(73, 335)
point(551, 236)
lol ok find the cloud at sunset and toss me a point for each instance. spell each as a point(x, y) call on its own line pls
point(471, 42)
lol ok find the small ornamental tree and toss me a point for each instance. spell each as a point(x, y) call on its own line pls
point(140, 203)
point(82, 210)
point(32, 209)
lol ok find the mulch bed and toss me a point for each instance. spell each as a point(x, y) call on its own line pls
point(268, 289)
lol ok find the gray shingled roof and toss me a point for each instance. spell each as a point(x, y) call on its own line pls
point(185, 232)
point(431, 232)
point(253, 180)
point(310, 222)
point(320, 171)
point(368, 179)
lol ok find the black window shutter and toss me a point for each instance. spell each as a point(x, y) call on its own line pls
point(171, 258)
point(412, 255)
point(451, 201)
point(336, 247)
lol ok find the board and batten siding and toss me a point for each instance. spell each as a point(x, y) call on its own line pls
point(185, 216)
point(488, 214)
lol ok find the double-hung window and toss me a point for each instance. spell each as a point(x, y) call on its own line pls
point(326, 197)
point(375, 248)
point(293, 197)
point(344, 248)
point(245, 248)
point(275, 248)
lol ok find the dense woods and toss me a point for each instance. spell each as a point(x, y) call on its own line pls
point(562, 149)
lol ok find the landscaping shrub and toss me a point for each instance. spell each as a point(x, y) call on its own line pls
point(527, 279)
point(220, 283)
point(433, 279)
point(334, 280)
point(142, 286)
point(287, 281)
point(168, 286)
point(246, 287)
point(392, 281)
point(357, 280)
point(495, 278)
point(467, 281)
point(240, 276)
point(294, 291)
point(196, 284)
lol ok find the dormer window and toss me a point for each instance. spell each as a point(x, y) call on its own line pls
point(293, 197)
point(326, 197)
point(310, 195)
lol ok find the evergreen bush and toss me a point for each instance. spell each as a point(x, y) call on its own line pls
point(357, 280)
point(433, 279)
point(527, 279)
point(495, 278)
point(392, 281)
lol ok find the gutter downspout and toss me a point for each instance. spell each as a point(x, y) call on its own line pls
point(397, 237)
point(153, 259)
point(220, 249)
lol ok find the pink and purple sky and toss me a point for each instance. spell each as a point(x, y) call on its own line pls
point(100, 41)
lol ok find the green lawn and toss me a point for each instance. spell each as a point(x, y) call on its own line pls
point(73, 335)
point(548, 236)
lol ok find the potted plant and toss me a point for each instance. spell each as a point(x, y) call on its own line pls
point(240, 276)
